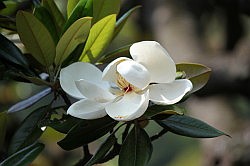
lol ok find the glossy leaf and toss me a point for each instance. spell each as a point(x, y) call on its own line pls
point(103, 8)
point(190, 127)
point(136, 150)
point(86, 132)
point(76, 34)
point(121, 22)
point(163, 109)
point(56, 14)
point(103, 150)
point(3, 125)
point(10, 53)
point(29, 101)
point(28, 132)
point(196, 73)
point(123, 51)
point(44, 16)
point(70, 6)
point(81, 10)
point(100, 35)
point(36, 38)
point(24, 156)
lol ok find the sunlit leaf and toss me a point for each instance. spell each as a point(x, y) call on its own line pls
point(123, 51)
point(56, 14)
point(103, 8)
point(86, 132)
point(77, 33)
point(3, 125)
point(36, 38)
point(190, 127)
point(103, 150)
point(100, 35)
point(81, 10)
point(29, 131)
point(198, 74)
point(44, 16)
point(24, 156)
point(121, 22)
point(11, 53)
point(70, 6)
point(136, 149)
point(29, 101)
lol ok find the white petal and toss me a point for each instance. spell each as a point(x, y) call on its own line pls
point(129, 107)
point(109, 73)
point(77, 71)
point(156, 59)
point(169, 93)
point(87, 109)
point(94, 92)
point(134, 73)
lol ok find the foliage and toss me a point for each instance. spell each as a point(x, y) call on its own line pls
point(52, 41)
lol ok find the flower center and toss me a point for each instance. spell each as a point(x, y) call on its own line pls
point(124, 85)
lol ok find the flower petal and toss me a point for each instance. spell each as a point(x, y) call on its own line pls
point(94, 92)
point(169, 93)
point(109, 73)
point(134, 73)
point(77, 71)
point(156, 59)
point(87, 109)
point(129, 107)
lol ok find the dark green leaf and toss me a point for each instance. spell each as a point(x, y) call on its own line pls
point(70, 6)
point(121, 22)
point(123, 51)
point(190, 127)
point(24, 156)
point(7, 23)
point(11, 8)
point(103, 8)
point(36, 38)
point(3, 125)
point(196, 73)
point(100, 36)
point(9, 52)
point(44, 16)
point(103, 150)
point(86, 132)
point(80, 10)
point(29, 131)
point(29, 101)
point(56, 14)
point(136, 149)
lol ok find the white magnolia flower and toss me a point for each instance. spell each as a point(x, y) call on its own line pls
point(126, 85)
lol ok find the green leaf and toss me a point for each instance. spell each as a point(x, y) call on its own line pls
point(44, 16)
point(3, 125)
point(70, 6)
point(163, 109)
point(56, 14)
point(103, 8)
point(81, 10)
point(24, 156)
point(121, 22)
point(29, 101)
point(77, 33)
point(103, 150)
point(100, 36)
point(123, 51)
point(10, 9)
point(190, 127)
point(196, 73)
point(7, 23)
point(36, 38)
point(10, 53)
point(29, 131)
point(87, 131)
point(136, 150)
